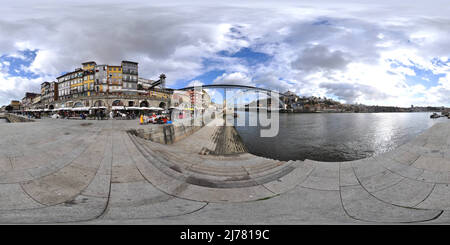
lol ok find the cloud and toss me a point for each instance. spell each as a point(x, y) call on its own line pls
point(319, 57)
point(12, 88)
point(194, 83)
point(351, 93)
point(235, 78)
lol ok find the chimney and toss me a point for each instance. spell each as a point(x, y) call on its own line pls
point(162, 77)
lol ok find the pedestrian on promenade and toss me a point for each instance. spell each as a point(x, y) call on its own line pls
point(142, 119)
point(111, 115)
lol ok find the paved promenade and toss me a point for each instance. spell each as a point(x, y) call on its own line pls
point(94, 172)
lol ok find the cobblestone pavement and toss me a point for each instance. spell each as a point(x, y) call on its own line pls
point(58, 171)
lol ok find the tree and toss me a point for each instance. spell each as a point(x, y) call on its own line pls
point(139, 86)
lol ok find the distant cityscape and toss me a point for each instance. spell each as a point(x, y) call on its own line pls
point(295, 103)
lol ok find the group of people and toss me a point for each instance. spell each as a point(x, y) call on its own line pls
point(102, 115)
point(153, 118)
point(130, 115)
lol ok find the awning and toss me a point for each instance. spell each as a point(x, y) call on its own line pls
point(181, 108)
point(155, 108)
point(118, 108)
point(134, 108)
point(98, 107)
point(80, 109)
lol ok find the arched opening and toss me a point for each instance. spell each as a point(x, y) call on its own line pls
point(51, 107)
point(143, 104)
point(117, 103)
point(162, 105)
point(98, 103)
point(78, 104)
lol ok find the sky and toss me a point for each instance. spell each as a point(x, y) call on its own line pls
point(392, 53)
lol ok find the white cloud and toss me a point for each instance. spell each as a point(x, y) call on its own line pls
point(195, 83)
point(235, 78)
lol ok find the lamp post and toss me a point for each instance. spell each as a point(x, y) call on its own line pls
point(108, 80)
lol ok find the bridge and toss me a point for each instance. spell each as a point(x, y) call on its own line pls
point(232, 86)
point(244, 87)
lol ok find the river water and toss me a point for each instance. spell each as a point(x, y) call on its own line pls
point(336, 136)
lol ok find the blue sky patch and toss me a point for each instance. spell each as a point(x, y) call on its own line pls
point(206, 78)
point(17, 64)
point(248, 55)
point(424, 77)
point(322, 22)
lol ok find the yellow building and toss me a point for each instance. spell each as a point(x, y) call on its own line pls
point(114, 78)
point(93, 79)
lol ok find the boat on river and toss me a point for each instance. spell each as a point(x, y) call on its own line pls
point(435, 115)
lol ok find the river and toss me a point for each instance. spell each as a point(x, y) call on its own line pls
point(336, 136)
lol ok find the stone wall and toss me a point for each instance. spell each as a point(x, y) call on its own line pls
point(166, 134)
point(171, 133)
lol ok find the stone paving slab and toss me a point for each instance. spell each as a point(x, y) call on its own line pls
point(292, 179)
point(360, 205)
point(347, 175)
point(298, 206)
point(439, 199)
point(380, 181)
point(82, 208)
point(406, 157)
point(432, 163)
point(403, 170)
point(367, 168)
point(13, 197)
point(406, 193)
point(142, 200)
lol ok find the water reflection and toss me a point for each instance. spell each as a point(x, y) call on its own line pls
point(336, 136)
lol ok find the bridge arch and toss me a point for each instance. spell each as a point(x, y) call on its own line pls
point(98, 103)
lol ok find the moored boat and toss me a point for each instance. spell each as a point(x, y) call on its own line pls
point(435, 115)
